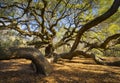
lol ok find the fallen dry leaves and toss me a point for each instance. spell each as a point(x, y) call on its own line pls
point(78, 70)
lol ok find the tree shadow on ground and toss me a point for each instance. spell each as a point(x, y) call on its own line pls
point(87, 73)
point(16, 71)
point(66, 72)
point(76, 60)
point(85, 77)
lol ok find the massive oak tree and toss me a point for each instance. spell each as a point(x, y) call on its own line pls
point(44, 19)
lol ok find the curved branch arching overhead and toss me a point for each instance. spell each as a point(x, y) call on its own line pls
point(94, 22)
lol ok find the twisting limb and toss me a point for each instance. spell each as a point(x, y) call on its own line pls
point(94, 22)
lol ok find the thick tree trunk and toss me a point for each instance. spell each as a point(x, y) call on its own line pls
point(49, 51)
point(41, 64)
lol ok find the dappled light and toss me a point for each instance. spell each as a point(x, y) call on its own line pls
point(65, 71)
point(59, 41)
point(13, 65)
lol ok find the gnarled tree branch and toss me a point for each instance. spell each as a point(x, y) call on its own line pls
point(94, 22)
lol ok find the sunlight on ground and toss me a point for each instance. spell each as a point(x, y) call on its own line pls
point(74, 71)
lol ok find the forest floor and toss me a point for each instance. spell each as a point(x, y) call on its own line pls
point(78, 70)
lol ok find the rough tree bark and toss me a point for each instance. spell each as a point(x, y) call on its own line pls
point(41, 64)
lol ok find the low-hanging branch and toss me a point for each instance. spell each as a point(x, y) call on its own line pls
point(97, 59)
point(41, 64)
point(103, 45)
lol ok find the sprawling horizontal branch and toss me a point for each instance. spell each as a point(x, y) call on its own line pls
point(41, 64)
point(70, 55)
point(104, 44)
point(99, 60)
point(38, 44)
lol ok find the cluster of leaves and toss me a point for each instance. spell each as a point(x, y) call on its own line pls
point(10, 39)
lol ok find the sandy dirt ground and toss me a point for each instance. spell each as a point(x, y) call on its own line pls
point(78, 70)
